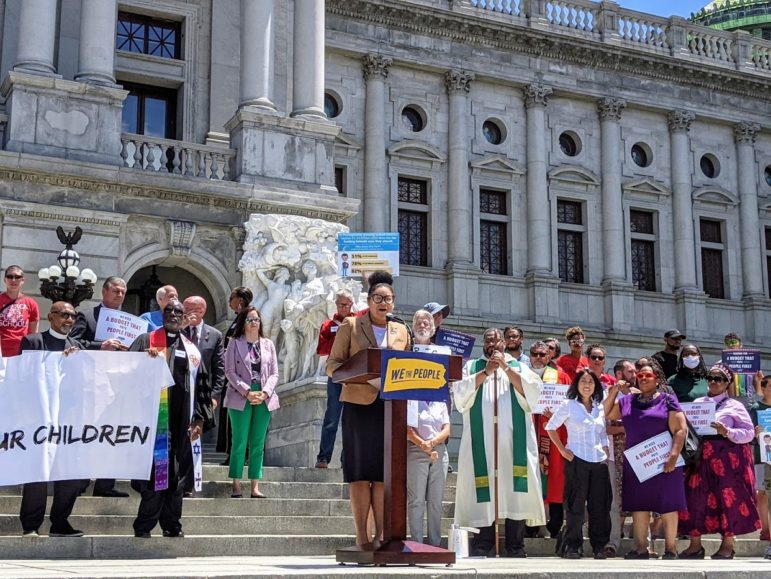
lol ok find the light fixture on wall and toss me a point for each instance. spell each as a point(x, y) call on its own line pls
point(66, 282)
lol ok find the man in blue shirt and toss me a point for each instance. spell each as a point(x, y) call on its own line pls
point(163, 296)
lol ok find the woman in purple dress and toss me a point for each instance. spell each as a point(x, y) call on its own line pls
point(720, 490)
point(645, 415)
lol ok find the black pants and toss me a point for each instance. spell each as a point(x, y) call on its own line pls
point(164, 507)
point(33, 504)
point(556, 516)
point(587, 484)
point(103, 485)
point(514, 532)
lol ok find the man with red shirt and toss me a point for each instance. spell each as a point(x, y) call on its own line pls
point(569, 363)
point(327, 333)
point(19, 314)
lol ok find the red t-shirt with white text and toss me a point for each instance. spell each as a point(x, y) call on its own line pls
point(14, 322)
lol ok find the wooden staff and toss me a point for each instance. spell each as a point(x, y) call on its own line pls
point(495, 461)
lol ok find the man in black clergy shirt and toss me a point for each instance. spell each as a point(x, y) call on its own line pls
point(190, 414)
point(33, 502)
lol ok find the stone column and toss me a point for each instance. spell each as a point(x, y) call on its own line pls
point(257, 53)
point(612, 211)
point(538, 222)
point(308, 64)
point(744, 134)
point(684, 247)
point(377, 198)
point(96, 57)
point(37, 35)
point(459, 199)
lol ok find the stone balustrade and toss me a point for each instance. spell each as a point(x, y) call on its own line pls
point(176, 157)
point(609, 23)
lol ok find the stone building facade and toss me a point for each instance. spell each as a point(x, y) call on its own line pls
point(549, 163)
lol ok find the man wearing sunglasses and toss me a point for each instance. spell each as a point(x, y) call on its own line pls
point(33, 502)
point(19, 314)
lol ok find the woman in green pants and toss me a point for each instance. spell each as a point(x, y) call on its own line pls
point(252, 372)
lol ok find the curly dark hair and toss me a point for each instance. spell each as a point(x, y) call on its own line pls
point(573, 394)
point(380, 279)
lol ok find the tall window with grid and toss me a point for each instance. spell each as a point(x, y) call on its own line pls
point(712, 248)
point(493, 229)
point(413, 221)
point(643, 245)
point(570, 241)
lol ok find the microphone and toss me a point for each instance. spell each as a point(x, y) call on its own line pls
point(398, 320)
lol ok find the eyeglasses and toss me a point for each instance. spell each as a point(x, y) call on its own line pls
point(551, 347)
point(732, 342)
point(174, 312)
point(538, 354)
point(717, 379)
point(645, 375)
point(380, 299)
point(66, 315)
point(252, 320)
point(14, 277)
point(515, 337)
point(596, 358)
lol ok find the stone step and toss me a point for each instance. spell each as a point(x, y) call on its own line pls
point(126, 547)
point(87, 505)
point(272, 489)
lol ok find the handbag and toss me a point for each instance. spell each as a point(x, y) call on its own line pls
point(691, 451)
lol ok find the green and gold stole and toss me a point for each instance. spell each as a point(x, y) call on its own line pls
point(478, 450)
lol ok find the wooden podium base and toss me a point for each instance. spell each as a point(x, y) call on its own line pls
point(396, 552)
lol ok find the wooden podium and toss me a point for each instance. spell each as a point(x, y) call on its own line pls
point(395, 549)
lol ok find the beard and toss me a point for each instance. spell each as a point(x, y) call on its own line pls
point(422, 334)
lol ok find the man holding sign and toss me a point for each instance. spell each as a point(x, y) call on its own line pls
point(84, 331)
point(498, 388)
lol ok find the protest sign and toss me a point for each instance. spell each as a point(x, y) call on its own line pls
point(414, 376)
point(363, 253)
point(648, 458)
point(432, 349)
point(764, 437)
point(552, 395)
point(88, 415)
point(461, 344)
point(742, 361)
point(119, 325)
point(700, 415)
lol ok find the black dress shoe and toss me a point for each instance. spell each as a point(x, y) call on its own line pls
point(174, 534)
point(112, 493)
point(66, 532)
point(515, 553)
point(479, 552)
point(142, 535)
point(719, 556)
point(694, 555)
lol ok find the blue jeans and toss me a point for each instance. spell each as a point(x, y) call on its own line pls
point(331, 420)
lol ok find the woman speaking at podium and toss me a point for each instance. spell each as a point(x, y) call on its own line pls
point(364, 411)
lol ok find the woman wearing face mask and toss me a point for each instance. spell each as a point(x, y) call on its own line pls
point(689, 382)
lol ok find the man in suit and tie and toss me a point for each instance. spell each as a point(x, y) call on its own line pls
point(210, 343)
point(33, 501)
point(84, 331)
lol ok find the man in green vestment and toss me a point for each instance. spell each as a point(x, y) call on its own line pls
point(498, 385)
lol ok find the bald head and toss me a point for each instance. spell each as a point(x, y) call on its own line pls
point(195, 309)
point(61, 317)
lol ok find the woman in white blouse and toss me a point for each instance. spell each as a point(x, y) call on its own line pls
point(587, 484)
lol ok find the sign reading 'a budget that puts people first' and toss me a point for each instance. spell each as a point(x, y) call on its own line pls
point(360, 254)
point(649, 457)
point(414, 376)
point(115, 324)
point(85, 415)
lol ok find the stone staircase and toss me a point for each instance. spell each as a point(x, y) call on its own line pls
point(306, 513)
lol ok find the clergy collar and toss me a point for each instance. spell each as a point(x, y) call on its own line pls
point(57, 335)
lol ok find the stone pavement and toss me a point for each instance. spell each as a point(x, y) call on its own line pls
point(325, 567)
